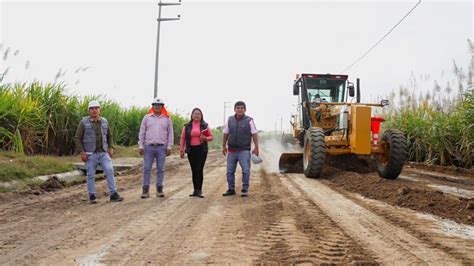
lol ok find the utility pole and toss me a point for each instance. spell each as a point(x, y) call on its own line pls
point(226, 105)
point(281, 124)
point(160, 19)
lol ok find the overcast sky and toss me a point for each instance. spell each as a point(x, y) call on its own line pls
point(231, 50)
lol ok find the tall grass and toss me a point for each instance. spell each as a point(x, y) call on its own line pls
point(439, 124)
point(39, 118)
point(217, 139)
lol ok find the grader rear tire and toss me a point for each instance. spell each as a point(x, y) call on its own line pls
point(314, 152)
point(390, 163)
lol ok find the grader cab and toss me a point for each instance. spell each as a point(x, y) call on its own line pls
point(331, 121)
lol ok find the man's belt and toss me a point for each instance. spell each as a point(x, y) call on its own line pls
point(156, 144)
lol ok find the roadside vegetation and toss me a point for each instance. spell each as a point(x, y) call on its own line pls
point(17, 166)
point(21, 168)
point(39, 118)
point(38, 122)
point(438, 123)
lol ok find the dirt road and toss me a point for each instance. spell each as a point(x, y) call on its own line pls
point(286, 219)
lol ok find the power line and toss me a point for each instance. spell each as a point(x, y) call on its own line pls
point(379, 41)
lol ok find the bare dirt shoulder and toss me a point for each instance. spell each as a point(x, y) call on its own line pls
point(286, 219)
point(271, 225)
point(402, 192)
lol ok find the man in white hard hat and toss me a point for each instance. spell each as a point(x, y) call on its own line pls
point(154, 143)
point(94, 142)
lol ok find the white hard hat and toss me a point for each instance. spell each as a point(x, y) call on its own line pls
point(93, 104)
point(256, 159)
point(158, 101)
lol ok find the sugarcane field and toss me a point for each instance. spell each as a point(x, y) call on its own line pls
point(192, 132)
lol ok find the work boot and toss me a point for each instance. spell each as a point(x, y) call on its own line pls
point(199, 194)
point(146, 193)
point(194, 194)
point(159, 192)
point(244, 193)
point(229, 192)
point(92, 199)
point(115, 197)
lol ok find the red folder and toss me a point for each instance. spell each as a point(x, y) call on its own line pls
point(206, 132)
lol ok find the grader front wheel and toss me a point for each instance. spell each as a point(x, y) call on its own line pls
point(314, 152)
point(390, 162)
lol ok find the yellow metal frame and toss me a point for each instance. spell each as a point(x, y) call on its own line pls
point(360, 129)
point(358, 140)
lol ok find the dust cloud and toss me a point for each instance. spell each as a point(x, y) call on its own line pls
point(271, 148)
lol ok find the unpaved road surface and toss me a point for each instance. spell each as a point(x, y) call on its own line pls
point(345, 217)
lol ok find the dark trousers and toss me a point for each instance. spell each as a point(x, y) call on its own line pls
point(197, 159)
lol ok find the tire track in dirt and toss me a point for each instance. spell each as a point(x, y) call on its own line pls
point(404, 193)
point(286, 220)
point(444, 235)
point(436, 232)
point(283, 229)
point(388, 242)
point(55, 223)
point(148, 237)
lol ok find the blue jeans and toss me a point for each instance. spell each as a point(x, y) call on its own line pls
point(91, 165)
point(243, 157)
point(153, 153)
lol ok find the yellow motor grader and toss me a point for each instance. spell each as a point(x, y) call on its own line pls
point(331, 121)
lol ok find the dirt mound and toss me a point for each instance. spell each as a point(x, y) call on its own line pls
point(351, 162)
point(52, 184)
point(347, 162)
point(404, 194)
point(451, 170)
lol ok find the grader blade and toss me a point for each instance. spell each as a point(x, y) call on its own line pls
point(291, 162)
